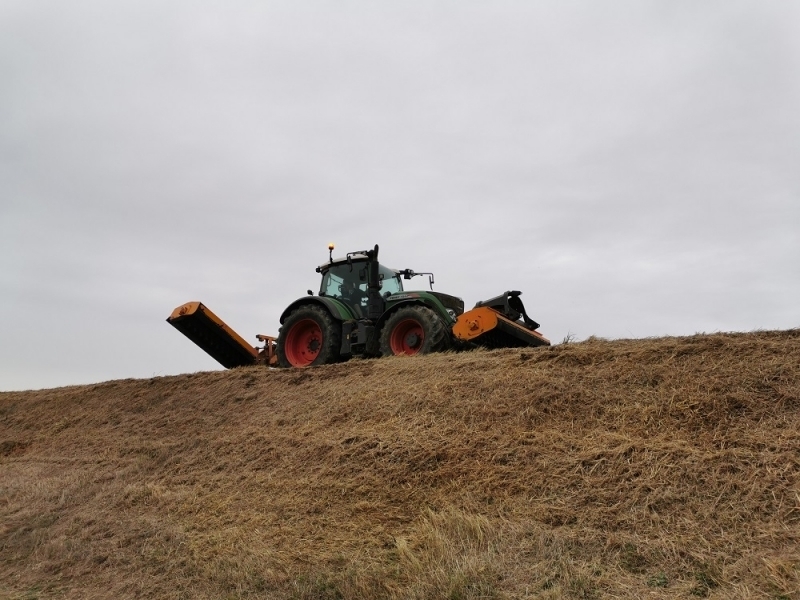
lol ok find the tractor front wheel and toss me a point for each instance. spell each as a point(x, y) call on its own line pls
point(309, 336)
point(414, 330)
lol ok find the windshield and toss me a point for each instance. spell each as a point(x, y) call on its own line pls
point(390, 281)
point(349, 282)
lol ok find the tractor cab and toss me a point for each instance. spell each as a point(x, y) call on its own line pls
point(346, 279)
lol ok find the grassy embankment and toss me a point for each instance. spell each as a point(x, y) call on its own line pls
point(653, 468)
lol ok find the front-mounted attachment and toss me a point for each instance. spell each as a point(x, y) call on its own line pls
point(510, 305)
point(500, 322)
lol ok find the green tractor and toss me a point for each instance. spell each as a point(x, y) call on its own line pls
point(363, 309)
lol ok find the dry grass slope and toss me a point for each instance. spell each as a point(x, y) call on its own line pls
point(655, 468)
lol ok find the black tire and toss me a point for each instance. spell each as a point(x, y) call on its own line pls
point(309, 336)
point(414, 330)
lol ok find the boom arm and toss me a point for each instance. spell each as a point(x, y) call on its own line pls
point(223, 344)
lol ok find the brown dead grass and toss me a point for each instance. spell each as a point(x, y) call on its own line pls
point(635, 468)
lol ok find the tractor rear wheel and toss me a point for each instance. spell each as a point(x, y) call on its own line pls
point(309, 336)
point(414, 330)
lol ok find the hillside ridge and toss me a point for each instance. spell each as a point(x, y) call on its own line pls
point(661, 468)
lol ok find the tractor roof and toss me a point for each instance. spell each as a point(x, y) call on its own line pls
point(342, 260)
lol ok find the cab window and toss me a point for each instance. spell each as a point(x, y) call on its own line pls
point(343, 280)
point(390, 281)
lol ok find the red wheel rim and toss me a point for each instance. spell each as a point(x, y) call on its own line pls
point(303, 343)
point(407, 337)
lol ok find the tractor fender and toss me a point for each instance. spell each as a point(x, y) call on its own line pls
point(338, 310)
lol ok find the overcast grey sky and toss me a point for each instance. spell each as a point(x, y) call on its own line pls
point(631, 166)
